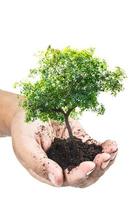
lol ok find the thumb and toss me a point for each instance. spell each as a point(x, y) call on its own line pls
point(35, 160)
point(30, 153)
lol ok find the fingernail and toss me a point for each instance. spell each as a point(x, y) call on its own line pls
point(52, 178)
point(88, 173)
point(105, 164)
point(113, 156)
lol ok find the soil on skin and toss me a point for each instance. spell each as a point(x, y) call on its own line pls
point(70, 153)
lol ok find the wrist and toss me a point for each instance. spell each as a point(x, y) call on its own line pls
point(9, 106)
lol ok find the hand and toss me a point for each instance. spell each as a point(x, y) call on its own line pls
point(88, 173)
point(31, 141)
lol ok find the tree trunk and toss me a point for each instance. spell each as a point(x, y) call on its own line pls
point(68, 126)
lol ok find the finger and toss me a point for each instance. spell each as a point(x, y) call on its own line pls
point(113, 155)
point(110, 163)
point(31, 154)
point(54, 172)
point(46, 167)
point(80, 133)
point(99, 161)
point(44, 136)
point(34, 159)
point(102, 160)
point(43, 140)
point(78, 174)
point(110, 146)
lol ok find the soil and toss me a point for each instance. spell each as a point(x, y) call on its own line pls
point(70, 153)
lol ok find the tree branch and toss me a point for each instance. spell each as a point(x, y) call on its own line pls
point(59, 110)
point(68, 112)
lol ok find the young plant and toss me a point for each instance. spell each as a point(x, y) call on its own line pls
point(67, 82)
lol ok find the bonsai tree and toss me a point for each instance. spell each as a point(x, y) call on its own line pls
point(67, 82)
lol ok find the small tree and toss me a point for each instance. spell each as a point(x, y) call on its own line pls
point(67, 82)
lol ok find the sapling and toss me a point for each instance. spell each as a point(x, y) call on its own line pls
point(67, 82)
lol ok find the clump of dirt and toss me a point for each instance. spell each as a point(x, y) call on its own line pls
point(69, 153)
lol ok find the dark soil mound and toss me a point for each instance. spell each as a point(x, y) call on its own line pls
point(70, 153)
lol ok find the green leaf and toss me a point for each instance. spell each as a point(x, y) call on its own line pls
point(67, 79)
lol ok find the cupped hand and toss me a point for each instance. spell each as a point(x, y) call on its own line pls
point(30, 144)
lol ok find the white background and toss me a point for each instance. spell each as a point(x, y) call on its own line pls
point(29, 26)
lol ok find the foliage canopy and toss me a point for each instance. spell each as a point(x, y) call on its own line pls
point(68, 81)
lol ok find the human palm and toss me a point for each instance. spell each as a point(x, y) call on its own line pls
point(31, 141)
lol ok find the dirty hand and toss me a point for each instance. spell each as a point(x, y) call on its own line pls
point(31, 141)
